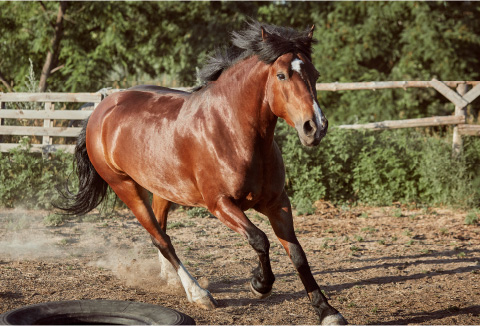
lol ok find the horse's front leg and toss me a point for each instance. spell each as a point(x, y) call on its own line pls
point(232, 216)
point(280, 216)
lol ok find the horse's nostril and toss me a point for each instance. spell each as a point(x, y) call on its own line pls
point(309, 128)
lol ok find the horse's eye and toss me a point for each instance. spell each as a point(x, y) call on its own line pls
point(281, 76)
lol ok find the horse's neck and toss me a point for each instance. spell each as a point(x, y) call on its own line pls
point(243, 87)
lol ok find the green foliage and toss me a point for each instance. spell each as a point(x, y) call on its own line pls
point(379, 168)
point(117, 41)
point(417, 41)
point(28, 180)
point(114, 41)
point(472, 217)
point(376, 168)
point(198, 212)
point(54, 219)
point(471, 155)
point(31, 181)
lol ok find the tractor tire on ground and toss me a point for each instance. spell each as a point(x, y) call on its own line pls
point(89, 312)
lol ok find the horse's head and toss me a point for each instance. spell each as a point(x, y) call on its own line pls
point(292, 96)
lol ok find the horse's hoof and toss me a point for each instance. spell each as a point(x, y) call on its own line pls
point(258, 294)
point(207, 302)
point(336, 319)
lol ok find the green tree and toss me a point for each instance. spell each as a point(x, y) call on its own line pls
point(375, 41)
point(105, 41)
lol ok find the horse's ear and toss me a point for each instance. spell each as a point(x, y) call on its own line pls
point(310, 34)
point(265, 35)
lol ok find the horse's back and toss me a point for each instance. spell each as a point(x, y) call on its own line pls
point(136, 102)
point(156, 89)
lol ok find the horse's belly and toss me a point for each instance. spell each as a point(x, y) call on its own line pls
point(182, 192)
point(164, 179)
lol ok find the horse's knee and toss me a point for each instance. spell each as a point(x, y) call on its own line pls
point(165, 247)
point(259, 242)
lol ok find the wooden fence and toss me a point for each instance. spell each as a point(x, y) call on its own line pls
point(48, 114)
point(459, 98)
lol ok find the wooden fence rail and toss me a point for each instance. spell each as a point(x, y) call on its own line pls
point(460, 98)
point(48, 114)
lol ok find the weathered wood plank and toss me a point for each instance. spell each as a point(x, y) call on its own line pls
point(39, 131)
point(43, 114)
point(460, 111)
point(472, 94)
point(369, 85)
point(408, 123)
point(38, 148)
point(383, 85)
point(47, 123)
point(469, 130)
point(2, 107)
point(50, 97)
point(450, 94)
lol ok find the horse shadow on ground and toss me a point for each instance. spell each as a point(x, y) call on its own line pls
point(421, 317)
point(11, 295)
point(420, 260)
point(241, 285)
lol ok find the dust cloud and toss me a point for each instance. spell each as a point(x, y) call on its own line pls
point(24, 236)
point(134, 270)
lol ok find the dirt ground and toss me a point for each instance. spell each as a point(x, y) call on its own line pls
point(391, 265)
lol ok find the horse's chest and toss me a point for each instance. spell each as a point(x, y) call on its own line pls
point(248, 181)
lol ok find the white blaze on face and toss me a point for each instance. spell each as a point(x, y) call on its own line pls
point(296, 65)
point(318, 114)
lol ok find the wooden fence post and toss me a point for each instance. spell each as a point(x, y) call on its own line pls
point(457, 142)
point(47, 123)
point(2, 106)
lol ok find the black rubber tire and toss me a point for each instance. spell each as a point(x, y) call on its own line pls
point(98, 312)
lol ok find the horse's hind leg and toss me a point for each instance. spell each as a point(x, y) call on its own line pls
point(160, 208)
point(280, 216)
point(136, 198)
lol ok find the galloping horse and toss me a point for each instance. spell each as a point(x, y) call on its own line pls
point(212, 148)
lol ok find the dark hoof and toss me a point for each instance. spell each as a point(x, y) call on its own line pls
point(259, 295)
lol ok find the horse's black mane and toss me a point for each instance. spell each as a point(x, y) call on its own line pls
point(248, 42)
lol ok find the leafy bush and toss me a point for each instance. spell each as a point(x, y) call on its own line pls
point(198, 212)
point(29, 180)
point(348, 166)
point(472, 217)
point(380, 168)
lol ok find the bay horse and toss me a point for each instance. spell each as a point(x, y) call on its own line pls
point(213, 147)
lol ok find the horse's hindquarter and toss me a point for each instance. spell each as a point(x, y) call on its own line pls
point(138, 135)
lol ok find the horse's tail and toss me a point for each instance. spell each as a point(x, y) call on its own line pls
point(92, 188)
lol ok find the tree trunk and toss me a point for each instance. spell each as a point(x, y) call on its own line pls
point(5, 83)
point(52, 55)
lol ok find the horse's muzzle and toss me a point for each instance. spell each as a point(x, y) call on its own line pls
point(310, 133)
